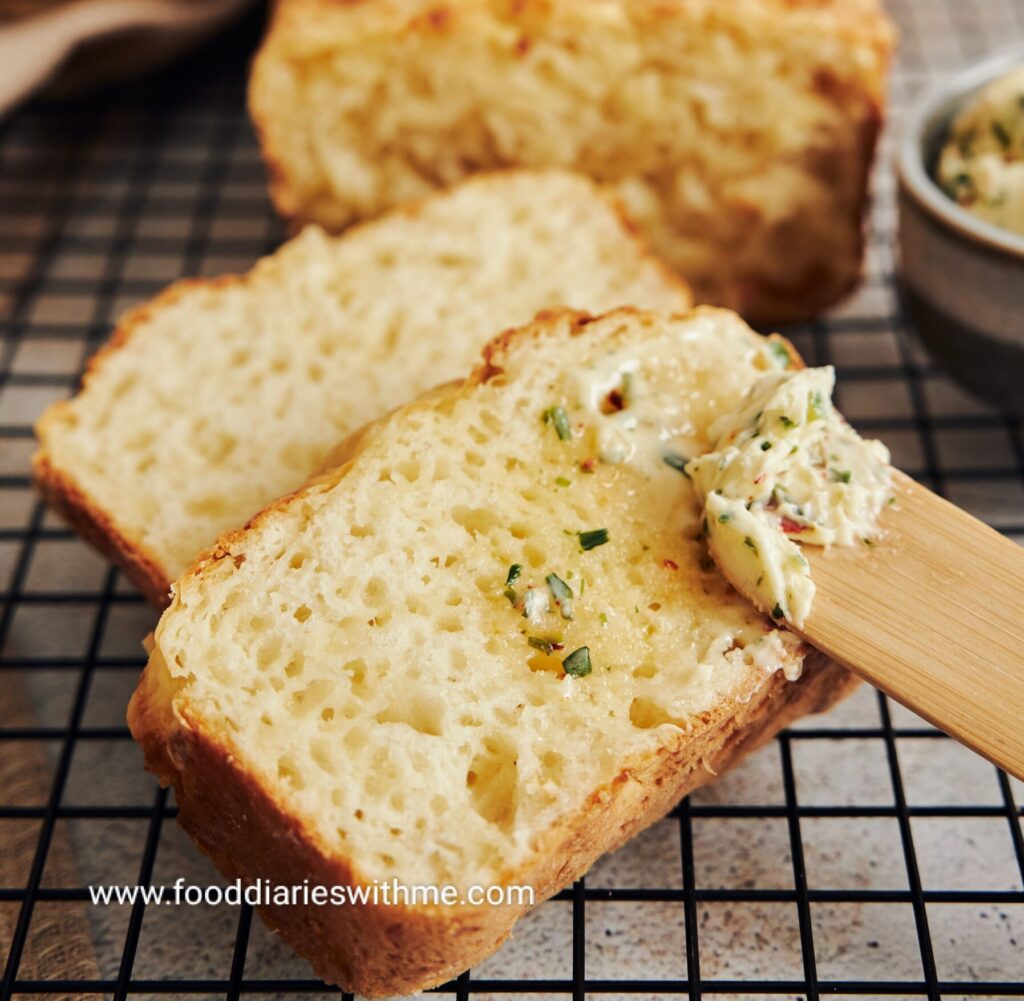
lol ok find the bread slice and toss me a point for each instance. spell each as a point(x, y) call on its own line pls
point(357, 687)
point(739, 134)
point(221, 395)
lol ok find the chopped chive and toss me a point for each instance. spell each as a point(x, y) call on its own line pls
point(867, 541)
point(786, 421)
point(765, 445)
point(548, 644)
point(782, 356)
point(815, 406)
point(724, 517)
point(777, 612)
point(578, 663)
point(759, 581)
point(560, 419)
point(562, 594)
point(677, 462)
point(592, 539)
point(563, 482)
point(511, 594)
point(603, 619)
point(840, 475)
point(514, 573)
point(750, 544)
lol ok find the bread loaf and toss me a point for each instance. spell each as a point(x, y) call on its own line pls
point(739, 134)
point(221, 395)
point(484, 650)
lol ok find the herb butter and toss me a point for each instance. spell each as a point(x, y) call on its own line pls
point(982, 164)
point(786, 466)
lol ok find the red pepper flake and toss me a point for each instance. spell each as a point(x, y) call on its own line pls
point(791, 527)
point(670, 564)
point(613, 402)
point(588, 465)
point(758, 479)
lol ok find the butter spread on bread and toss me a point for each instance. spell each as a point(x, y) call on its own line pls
point(348, 690)
point(787, 468)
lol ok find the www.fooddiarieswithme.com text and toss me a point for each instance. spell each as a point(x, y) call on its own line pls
point(260, 892)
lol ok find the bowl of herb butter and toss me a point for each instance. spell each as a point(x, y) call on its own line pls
point(961, 216)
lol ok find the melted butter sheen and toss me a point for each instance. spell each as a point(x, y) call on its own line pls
point(786, 466)
point(646, 414)
point(634, 420)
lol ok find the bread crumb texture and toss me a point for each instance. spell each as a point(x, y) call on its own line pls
point(220, 396)
point(355, 652)
point(738, 134)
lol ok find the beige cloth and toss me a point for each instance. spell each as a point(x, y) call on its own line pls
point(80, 43)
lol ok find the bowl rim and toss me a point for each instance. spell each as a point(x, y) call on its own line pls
point(947, 98)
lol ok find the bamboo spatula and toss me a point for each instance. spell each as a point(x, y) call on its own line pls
point(933, 615)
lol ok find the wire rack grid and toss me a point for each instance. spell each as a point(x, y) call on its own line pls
point(861, 854)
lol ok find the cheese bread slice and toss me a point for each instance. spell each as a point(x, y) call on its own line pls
point(485, 649)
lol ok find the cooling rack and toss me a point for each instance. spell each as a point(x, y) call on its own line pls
point(861, 854)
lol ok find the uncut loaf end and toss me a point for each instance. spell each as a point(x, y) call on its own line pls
point(739, 133)
point(219, 396)
point(345, 691)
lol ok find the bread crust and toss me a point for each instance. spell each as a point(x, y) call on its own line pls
point(291, 41)
point(379, 950)
point(99, 526)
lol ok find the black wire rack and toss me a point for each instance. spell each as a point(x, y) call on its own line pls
point(861, 854)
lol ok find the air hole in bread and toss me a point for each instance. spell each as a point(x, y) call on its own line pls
point(287, 771)
point(645, 714)
point(409, 469)
point(492, 780)
point(305, 700)
point(423, 713)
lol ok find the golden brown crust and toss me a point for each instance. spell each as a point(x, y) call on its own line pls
point(378, 950)
point(97, 528)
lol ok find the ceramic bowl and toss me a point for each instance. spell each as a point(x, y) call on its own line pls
point(962, 279)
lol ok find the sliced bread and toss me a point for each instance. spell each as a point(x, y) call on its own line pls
point(484, 650)
point(221, 395)
point(739, 133)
